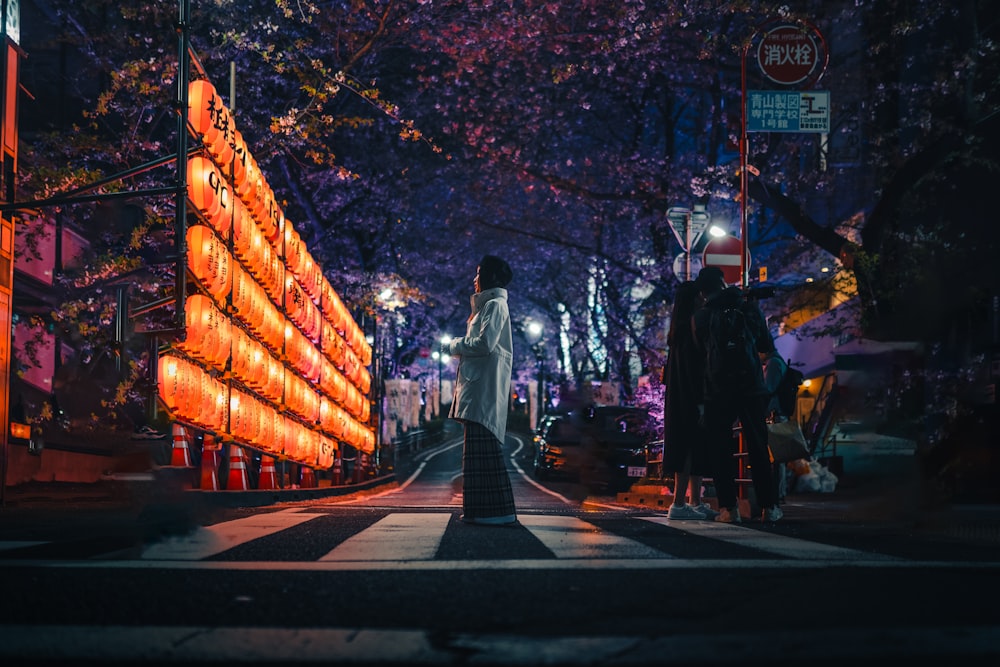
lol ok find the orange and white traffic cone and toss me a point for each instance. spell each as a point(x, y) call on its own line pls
point(337, 472)
point(180, 456)
point(268, 475)
point(210, 463)
point(237, 479)
point(308, 478)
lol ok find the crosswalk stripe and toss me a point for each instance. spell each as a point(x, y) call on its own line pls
point(769, 542)
point(399, 536)
point(570, 537)
point(660, 563)
point(411, 541)
point(211, 540)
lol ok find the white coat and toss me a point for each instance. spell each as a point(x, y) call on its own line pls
point(486, 357)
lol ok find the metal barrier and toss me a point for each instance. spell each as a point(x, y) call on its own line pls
point(820, 419)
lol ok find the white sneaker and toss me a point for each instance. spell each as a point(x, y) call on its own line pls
point(506, 520)
point(707, 510)
point(771, 514)
point(684, 512)
point(727, 515)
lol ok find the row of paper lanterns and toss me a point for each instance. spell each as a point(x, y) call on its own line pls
point(209, 259)
point(307, 295)
point(195, 397)
point(250, 259)
point(213, 339)
point(307, 301)
point(211, 121)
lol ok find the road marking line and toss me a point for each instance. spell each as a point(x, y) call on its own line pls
point(769, 542)
point(398, 536)
point(570, 537)
point(208, 541)
point(660, 563)
point(15, 544)
point(427, 456)
point(527, 478)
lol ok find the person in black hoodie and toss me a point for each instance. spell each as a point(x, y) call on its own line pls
point(685, 453)
point(721, 404)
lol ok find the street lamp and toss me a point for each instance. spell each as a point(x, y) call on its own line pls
point(533, 331)
point(384, 360)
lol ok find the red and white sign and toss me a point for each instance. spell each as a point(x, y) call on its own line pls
point(789, 54)
point(724, 252)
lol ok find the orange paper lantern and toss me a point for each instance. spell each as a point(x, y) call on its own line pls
point(207, 189)
point(209, 261)
point(204, 106)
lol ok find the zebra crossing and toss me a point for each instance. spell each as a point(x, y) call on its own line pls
point(324, 548)
point(408, 538)
point(398, 536)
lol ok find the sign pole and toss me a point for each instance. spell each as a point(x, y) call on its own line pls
point(687, 249)
point(800, 56)
point(744, 180)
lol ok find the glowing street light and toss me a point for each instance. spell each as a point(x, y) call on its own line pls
point(442, 359)
point(533, 331)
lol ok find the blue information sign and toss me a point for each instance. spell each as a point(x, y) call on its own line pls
point(785, 111)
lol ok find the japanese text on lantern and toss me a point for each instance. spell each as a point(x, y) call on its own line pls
point(271, 358)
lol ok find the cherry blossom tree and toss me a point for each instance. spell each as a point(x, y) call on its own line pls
point(407, 138)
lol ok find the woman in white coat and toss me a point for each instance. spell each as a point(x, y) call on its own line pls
point(482, 391)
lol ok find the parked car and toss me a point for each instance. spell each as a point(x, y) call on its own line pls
point(602, 447)
point(543, 424)
point(557, 445)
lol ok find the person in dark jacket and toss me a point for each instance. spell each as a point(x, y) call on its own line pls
point(722, 406)
point(685, 453)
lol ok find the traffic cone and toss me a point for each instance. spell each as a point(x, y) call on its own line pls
point(181, 454)
point(237, 480)
point(268, 475)
point(337, 472)
point(210, 463)
point(308, 478)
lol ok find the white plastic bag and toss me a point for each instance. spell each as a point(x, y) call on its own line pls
point(818, 479)
point(807, 483)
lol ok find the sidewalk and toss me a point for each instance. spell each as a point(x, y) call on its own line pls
point(123, 492)
point(128, 510)
point(870, 502)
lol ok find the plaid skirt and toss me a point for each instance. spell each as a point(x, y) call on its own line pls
point(486, 490)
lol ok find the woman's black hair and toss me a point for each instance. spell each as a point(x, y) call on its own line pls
point(494, 272)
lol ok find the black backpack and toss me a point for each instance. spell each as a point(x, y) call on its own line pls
point(788, 390)
point(731, 361)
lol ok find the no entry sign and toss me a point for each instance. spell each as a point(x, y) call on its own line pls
point(724, 253)
point(790, 54)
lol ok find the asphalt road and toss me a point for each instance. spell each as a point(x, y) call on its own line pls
point(391, 576)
